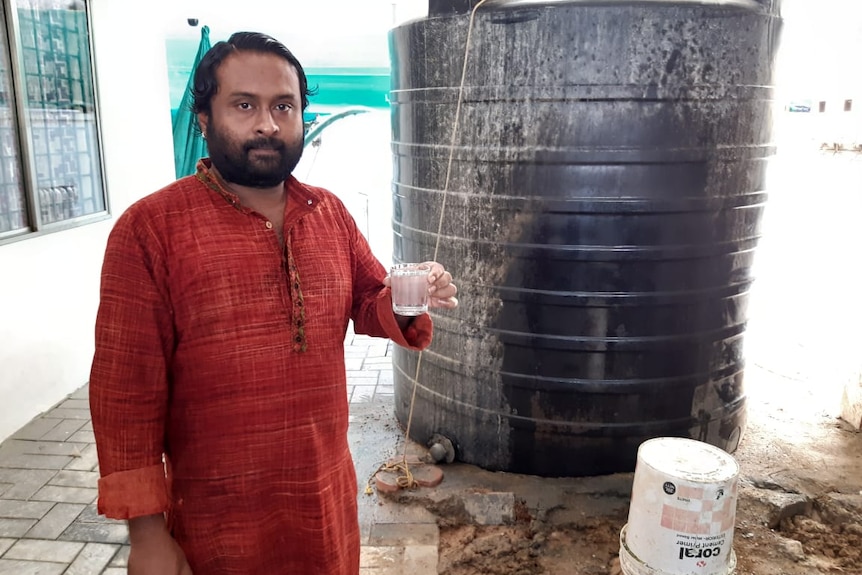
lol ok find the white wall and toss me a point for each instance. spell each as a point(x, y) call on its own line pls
point(354, 161)
point(49, 284)
point(320, 33)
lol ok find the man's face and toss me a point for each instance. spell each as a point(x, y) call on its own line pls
point(254, 130)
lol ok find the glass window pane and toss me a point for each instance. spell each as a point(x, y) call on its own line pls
point(61, 109)
point(13, 208)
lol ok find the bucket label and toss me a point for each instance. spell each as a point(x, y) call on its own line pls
point(700, 519)
point(700, 548)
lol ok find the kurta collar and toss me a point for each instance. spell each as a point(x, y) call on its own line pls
point(300, 199)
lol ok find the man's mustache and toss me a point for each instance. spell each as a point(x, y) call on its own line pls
point(264, 144)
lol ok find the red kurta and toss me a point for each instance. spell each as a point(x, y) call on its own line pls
point(225, 353)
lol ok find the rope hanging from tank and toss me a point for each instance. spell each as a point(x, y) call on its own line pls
point(452, 142)
point(405, 476)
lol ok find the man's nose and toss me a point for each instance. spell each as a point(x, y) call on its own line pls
point(266, 123)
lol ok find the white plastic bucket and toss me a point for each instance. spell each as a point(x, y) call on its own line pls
point(682, 511)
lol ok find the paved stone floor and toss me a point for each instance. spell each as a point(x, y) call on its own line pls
point(49, 471)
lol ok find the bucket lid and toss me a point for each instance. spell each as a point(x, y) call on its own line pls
point(688, 459)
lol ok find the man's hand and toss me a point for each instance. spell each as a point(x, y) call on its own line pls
point(441, 290)
point(153, 551)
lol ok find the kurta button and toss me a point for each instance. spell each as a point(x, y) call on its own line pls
point(309, 202)
point(269, 225)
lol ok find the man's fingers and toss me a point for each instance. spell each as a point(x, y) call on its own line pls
point(446, 303)
point(444, 292)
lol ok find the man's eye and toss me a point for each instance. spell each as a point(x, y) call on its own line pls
point(244, 106)
point(283, 107)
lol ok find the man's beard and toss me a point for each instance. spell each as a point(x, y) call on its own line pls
point(234, 164)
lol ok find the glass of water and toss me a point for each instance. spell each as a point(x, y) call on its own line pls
point(409, 288)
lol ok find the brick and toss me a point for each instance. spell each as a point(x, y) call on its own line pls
point(66, 494)
point(490, 508)
point(28, 461)
point(88, 426)
point(386, 482)
point(121, 559)
point(424, 475)
point(91, 515)
point(380, 557)
point(92, 559)
point(42, 550)
point(372, 377)
point(36, 429)
point(88, 460)
point(353, 363)
point(56, 521)
point(22, 447)
point(75, 404)
point(362, 393)
point(4, 487)
point(69, 478)
point(114, 571)
point(402, 534)
point(14, 567)
point(25, 482)
point(23, 509)
point(6, 544)
point(420, 560)
point(427, 475)
point(778, 506)
point(64, 430)
point(82, 437)
point(96, 532)
point(361, 378)
point(82, 393)
point(15, 527)
point(61, 413)
point(402, 459)
point(378, 346)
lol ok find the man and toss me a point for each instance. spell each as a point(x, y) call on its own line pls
point(218, 384)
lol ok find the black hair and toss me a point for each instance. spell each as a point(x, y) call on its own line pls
point(206, 85)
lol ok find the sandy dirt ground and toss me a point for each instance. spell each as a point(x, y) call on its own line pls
point(792, 452)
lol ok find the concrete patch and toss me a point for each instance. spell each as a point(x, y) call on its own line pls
point(490, 508)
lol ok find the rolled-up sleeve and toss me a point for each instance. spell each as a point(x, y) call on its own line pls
point(129, 494)
point(128, 377)
point(416, 336)
point(372, 301)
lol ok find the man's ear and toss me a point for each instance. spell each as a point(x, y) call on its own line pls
point(203, 122)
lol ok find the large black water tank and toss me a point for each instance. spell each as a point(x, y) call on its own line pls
point(604, 204)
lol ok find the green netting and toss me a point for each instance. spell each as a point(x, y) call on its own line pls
point(189, 146)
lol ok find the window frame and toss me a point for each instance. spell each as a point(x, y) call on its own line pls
point(24, 129)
